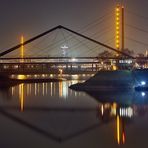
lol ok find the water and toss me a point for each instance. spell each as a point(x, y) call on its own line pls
point(52, 115)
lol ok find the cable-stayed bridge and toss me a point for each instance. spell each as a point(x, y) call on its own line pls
point(70, 65)
point(63, 49)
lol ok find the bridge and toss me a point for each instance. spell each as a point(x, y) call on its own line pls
point(54, 65)
point(65, 64)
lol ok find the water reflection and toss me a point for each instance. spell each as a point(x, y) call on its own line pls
point(51, 89)
point(120, 114)
point(21, 96)
point(121, 108)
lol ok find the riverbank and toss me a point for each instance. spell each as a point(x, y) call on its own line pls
point(113, 80)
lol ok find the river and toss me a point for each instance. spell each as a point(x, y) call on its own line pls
point(44, 115)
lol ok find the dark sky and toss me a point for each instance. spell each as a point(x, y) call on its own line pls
point(31, 17)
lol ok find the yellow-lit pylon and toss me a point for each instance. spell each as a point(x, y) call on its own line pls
point(22, 46)
point(117, 39)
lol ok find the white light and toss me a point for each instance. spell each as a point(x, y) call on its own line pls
point(64, 47)
point(130, 112)
point(73, 59)
point(143, 82)
point(126, 112)
point(143, 94)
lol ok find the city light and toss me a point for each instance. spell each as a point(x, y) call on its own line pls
point(73, 59)
point(21, 77)
point(143, 83)
point(61, 71)
point(126, 112)
point(142, 94)
point(102, 109)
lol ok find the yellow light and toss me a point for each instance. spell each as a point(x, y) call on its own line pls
point(117, 9)
point(118, 129)
point(60, 89)
point(117, 27)
point(22, 47)
point(117, 19)
point(117, 14)
point(21, 77)
point(114, 106)
point(117, 45)
point(61, 71)
point(117, 37)
point(21, 96)
point(117, 32)
point(117, 41)
point(117, 23)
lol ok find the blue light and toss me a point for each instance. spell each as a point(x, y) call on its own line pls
point(142, 94)
point(143, 82)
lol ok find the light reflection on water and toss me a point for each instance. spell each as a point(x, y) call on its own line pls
point(31, 95)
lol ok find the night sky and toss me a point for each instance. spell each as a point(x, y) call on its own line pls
point(31, 17)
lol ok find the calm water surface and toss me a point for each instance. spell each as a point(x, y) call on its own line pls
point(46, 115)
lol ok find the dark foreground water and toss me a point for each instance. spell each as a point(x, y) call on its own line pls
point(44, 115)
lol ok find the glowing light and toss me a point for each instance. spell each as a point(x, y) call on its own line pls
point(117, 9)
point(143, 83)
point(114, 109)
point(118, 129)
point(117, 38)
point(65, 90)
point(51, 89)
point(126, 112)
point(22, 47)
point(142, 94)
point(21, 77)
point(102, 109)
point(51, 75)
point(61, 72)
point(60, 89)
point(43, 75)
point(75, 76)
point(21, 96)
point(73, 59)
point(117, 41)
point(35, 76)
point(64, 47)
